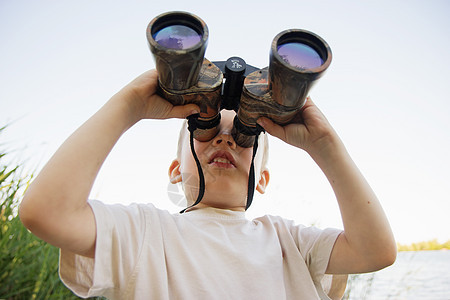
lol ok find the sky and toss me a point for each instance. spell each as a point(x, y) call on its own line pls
point(386, 93)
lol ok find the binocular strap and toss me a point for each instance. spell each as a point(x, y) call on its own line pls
point(192, 126)
point(251, 174)
point(201, 190)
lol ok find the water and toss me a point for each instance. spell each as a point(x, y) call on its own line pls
point(415, 275)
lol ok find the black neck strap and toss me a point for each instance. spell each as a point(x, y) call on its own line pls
point(193, 124)
point(251, 174)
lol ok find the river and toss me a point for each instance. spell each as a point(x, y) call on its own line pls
point(414, 275)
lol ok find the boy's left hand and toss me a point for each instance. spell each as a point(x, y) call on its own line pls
point(359, 248)
point(314, 134)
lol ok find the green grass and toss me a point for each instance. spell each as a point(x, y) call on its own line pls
point(28, 265)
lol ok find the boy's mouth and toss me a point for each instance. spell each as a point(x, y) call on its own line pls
point(222, 159)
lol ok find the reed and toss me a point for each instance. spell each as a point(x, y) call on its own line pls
point(28, 265)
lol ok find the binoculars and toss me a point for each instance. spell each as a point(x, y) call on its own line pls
point(178, 40)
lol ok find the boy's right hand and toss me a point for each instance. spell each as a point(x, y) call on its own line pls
point(144, 103)
point(55, 206)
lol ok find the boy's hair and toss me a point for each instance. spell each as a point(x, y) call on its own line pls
point(263, 142)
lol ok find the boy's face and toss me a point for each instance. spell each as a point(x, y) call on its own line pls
point(225, 167)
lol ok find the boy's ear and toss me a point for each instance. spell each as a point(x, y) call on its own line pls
point(263, 181)
point(174, 172)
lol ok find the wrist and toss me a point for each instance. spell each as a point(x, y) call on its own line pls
point(128, 109)
point(328, 150)
point(135, 100)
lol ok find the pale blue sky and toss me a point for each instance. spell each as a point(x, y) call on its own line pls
point(386, 93)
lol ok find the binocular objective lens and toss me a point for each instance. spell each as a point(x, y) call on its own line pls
point(177, 37)
point(300, 56)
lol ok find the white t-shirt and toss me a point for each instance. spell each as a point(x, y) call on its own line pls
point(146, 253)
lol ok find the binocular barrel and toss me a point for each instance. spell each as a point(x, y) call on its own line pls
point(178, 42)
point(298, 58)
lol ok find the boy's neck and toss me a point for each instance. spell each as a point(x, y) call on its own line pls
point(203, 205)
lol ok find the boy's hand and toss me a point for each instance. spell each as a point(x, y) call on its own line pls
point(359, 248)
point(144, 103)
point(55, 206)
point(314, 134)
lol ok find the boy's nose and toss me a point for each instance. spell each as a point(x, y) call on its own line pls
point(224, 138)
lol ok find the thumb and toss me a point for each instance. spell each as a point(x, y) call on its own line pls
point(183, 111)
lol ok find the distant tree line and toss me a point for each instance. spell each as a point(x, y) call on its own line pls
point(426, 245)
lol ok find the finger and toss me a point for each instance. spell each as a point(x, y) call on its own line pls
point(310, 109)
point(184, 111)
point(272, 128)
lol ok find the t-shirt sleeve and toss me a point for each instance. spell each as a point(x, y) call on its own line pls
point(315, 246)
point(120, 234)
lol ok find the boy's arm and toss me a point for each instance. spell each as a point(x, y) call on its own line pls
point(55, 205)
point(367, 243)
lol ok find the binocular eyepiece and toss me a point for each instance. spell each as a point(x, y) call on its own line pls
point(298, 58)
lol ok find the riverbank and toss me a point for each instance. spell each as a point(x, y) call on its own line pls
point(426, 245)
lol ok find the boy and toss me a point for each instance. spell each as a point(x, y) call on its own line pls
point(211, 251)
